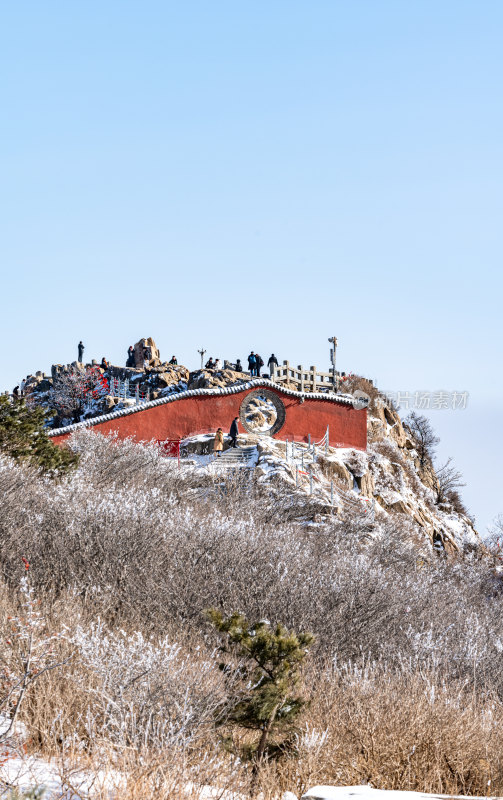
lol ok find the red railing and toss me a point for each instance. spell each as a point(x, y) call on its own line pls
point(170, 448)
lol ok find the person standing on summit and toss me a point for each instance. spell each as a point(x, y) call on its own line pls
point(273, 362)
point(252, 363)
point(81, 352)
point(259, 363)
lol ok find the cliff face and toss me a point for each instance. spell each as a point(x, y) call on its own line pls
point(390, 481)
point(391, 473)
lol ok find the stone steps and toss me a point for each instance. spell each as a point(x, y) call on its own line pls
point(237, 457)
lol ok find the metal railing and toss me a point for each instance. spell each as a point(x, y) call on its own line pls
point(126, 391)
point(303, 456)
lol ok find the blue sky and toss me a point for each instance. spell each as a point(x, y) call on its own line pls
point(262, 175)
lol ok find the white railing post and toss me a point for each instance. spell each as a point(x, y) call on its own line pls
point(309, 439)
point(301, 377)
point(310, 479)
point(126, 388)
point(302, 460)
point(327, 440)
point(137, 393)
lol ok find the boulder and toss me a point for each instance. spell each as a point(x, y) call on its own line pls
point(256, 420)
point(208, 378)
point(146, 349)
point(201, 446)
point(172, 375)
point(334, 469)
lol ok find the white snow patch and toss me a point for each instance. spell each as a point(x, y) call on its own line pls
point(367, 793)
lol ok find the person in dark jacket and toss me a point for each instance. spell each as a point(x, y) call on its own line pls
point(209, 364)
point(252, 363)
point(81, 352)
point(239, 366)
point(130, 357)
point(259, 364)
point(173, 361)
point(233, 433)
point(273, 362)
point(104, 363)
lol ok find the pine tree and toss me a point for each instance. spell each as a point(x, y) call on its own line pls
point(24, 438)
point(264, 675)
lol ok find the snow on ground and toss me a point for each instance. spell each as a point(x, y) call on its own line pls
point(367, 793)
point(62, 782)
point(371, 481)
point(29, 772)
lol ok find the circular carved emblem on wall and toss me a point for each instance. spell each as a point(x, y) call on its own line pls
point(262, 412)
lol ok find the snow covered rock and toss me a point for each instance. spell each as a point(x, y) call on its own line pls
point(208, 378)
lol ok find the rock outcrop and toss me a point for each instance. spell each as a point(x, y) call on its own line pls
point(146, 353)
point(208, 378)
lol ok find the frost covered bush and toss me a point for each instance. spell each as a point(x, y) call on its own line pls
point(138, 542)
point(145, 694)
point(402, 636)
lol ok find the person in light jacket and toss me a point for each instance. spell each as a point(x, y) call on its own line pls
point(219, 442)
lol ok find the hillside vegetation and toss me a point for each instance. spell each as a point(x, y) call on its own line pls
point(403, 685)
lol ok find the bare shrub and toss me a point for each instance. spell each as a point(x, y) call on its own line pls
point(146, 547)
point(396, 729)
point(424, 437)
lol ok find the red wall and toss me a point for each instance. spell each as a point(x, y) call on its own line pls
point(192, 415)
